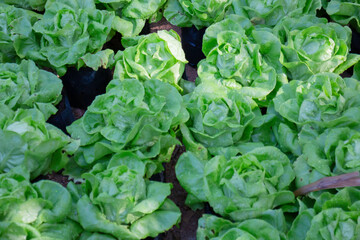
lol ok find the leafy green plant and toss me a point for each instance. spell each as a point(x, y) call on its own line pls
point(242, 57)
point(119, 203)
point(153, 56)
point(212, 227)
point(37, 5)
point(131, 116)
point(185, 13)
point(26, 86)
point(269, 13)
point(69, 29)
point(17, 38)
point(325, 100)
point(131, 15)
point(219, 118)
point(311, 45)
point(332, 217)
point(27, 140)
point(344, 12)
point(34, 211)
point(241, 187)
point(331, 153)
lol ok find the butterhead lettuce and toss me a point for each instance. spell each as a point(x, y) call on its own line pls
point(134, 116)
point(212, 227)
point(242, 57)
point(311, 45)
point(241, 187)
point(70, 29)
point(34, 211)
point(219, 118)
point(118, 203)
point(344, 12)
point(184, 13)
point(269, 13)
point(153, 56)
point(26, 86)
point(27, 140)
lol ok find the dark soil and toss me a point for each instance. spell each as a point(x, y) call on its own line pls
point(56, 177)
point(189, 218)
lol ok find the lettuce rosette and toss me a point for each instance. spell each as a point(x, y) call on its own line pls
point(69, 29)
point(324, 100)
point(37, 5)
point(212, 227)
point(17, 38)
point(131, 116)
point(34, 211)
point(220, 119)
point(311, 45)
point(153, 56)
point(26, 86)
point(242, 57)
point(332, 217)
point(27, 140)
point(344, 12)
point(269, 13)
point(334, 152)
point(118, 203)
point(184, 13)
point(241, 187)
point(132, 15)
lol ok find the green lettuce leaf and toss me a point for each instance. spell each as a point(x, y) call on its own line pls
point(131, 15)
point(131, 116)
point(344, 12)
point(17, 38)
point(332, 217)
point(325, 100)
point(241, 187)
point(25, 86)
point(219, 118)
point(311, 45)
point(242, 58)
point(245, 186)
point(34, 211)
point(269, 13)
point(70, 29)
point(212, 227)
point(331, 153)
point(37, 5)
point(119, 202)
point(28, 141)
point(154, 56)
point(185, 13)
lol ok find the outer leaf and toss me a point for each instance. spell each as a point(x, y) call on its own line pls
point(344, 12)
point(212, 227)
